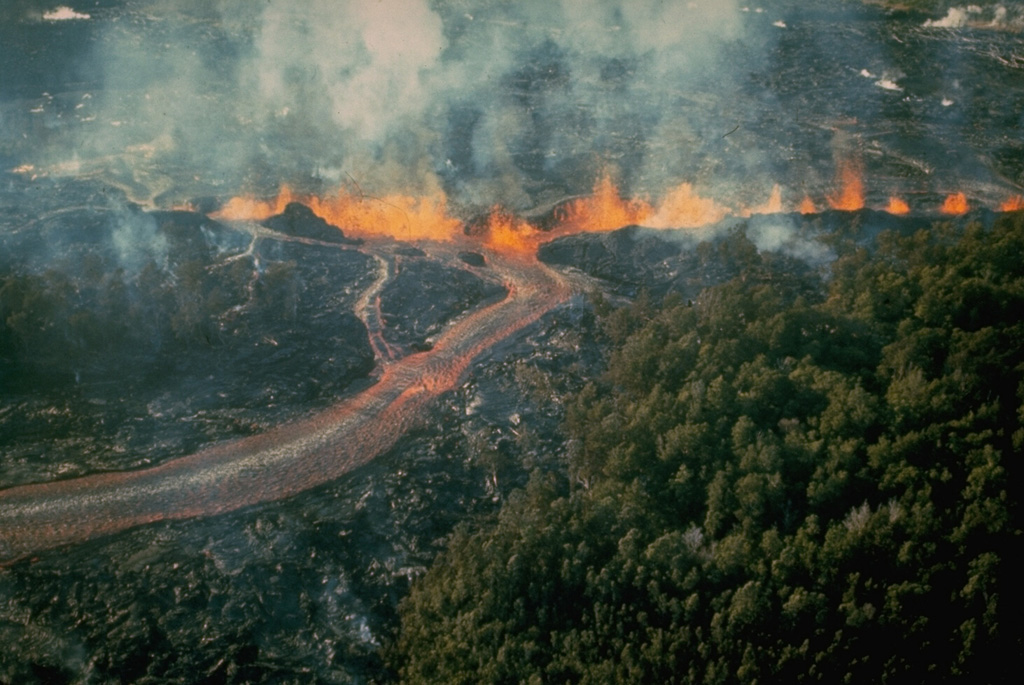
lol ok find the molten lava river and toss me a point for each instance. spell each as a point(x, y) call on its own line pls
point(299, 455)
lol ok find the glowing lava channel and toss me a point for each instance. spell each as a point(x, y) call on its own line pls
point(297, 456)
point(284, 461)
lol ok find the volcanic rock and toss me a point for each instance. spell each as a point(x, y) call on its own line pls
point(206, 204)
point(424, 295)
point(672, 260)
point(140, 322)
point(626, 259)
point(191, 235)
point(299, 220)
point(473, 258)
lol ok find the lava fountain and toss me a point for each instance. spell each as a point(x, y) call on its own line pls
point(955, 204)
point(851, 194)
point(603, 210)
point(402, 217)
point(897, 206)
point(283, 461)
point(1014, 204)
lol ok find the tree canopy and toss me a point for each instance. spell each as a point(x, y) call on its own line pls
point(795, 478)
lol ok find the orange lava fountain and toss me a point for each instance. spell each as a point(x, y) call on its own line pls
point(407, 217)
point(1014, 204)
point(684, 208)
point(403, 217)
point(510, 235)
point(604, 210)
point(772, 206)
point(955, 204)
point(253, 209)
point(851, 195)
point(897, 206)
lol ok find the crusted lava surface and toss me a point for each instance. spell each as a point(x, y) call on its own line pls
point(117, 359)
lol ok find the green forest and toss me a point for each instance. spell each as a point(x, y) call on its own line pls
point(796, 477)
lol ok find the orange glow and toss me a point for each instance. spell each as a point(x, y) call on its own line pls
point(1014, 204)
point(405, 217)
point(851, 195)
point(772, 206)
point(604, 210)
point(955, 204)
point(897, 206)
point(251, 209)
point(508, 234)
point(683, 208)
point(408, 217)
point(401, 217)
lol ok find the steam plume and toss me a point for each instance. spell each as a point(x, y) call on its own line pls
point(490, 101)
point(515, 103)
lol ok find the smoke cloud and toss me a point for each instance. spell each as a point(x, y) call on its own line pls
point(491, 102)
point(369, 62)
point(990, 16)
point(135, 239)
point(515, 103)
point(782, 234)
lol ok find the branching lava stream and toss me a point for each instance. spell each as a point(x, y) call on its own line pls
point(300, 455)
point(286, 460)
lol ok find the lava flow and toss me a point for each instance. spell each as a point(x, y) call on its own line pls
point(297, 456)
point(284, 461)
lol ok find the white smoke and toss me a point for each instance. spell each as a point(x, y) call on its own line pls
point(976, 16)
point(136, 240)
point(781, 235)
point(956, 17)
point(490, 100)
point(888, 82)
point(64, 13)
point(368, 59)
